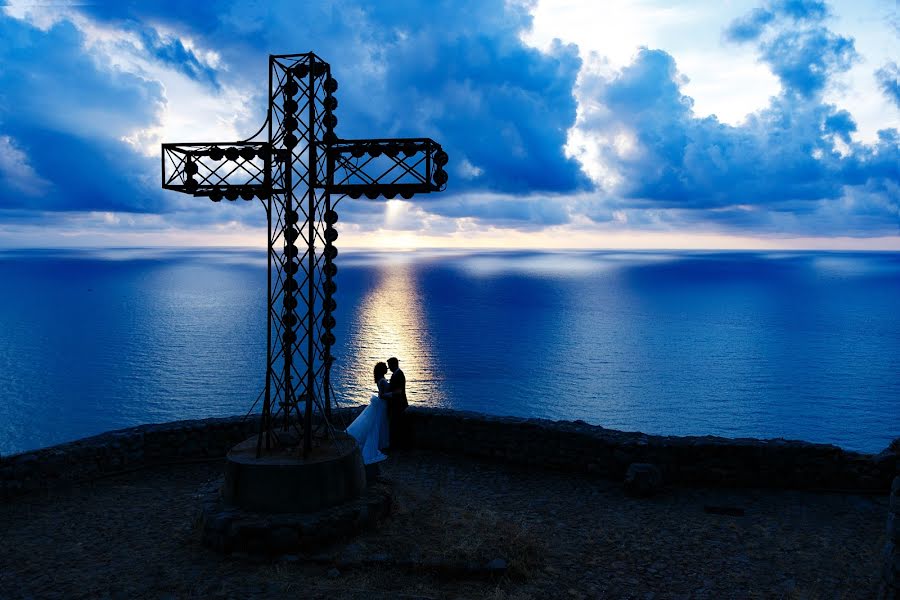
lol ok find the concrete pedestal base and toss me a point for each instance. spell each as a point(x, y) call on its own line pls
point(281, 503)
point(280, 481)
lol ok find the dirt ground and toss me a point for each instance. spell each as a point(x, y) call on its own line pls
point(546, 535)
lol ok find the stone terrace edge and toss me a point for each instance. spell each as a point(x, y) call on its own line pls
point(573, 446)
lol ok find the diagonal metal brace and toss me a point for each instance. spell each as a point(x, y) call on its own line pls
point(230, 170)
point(385, 167)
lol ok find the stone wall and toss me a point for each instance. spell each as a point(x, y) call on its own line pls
point(890, 569)
point(120, 451)
point(706, 460)
point(571, 446)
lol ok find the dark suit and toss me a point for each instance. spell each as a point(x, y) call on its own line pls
point(397, 404)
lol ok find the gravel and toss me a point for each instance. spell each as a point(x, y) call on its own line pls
point(455, 521)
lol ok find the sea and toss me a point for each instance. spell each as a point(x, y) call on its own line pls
point(797, 345)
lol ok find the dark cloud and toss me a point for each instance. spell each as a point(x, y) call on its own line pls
point(794, 42)
point(457, 72)
point(840, 124)
point(804, 60)
point(48, 80)
point(516, 212)
point(501, 106)
point(67, 117)
point(85, 175)
point(888, 78)
point(750, 26)
point(790, 167)
point(172, 52)
point(793, 158)
point(801, 10)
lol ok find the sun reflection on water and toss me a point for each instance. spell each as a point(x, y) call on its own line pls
point(390, 321)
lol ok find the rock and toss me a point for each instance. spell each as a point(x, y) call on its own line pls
point(887, 592)
point(333, 573)
point(787, 587)
point(498, 565)
point(284, 539)
point(352, 553)
point(886, 459)
point(643, 480)
point(893, 527)
point(373, 473)
point(890, 564)
point(731, 511)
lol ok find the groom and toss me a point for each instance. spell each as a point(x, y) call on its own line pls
point(396, 406)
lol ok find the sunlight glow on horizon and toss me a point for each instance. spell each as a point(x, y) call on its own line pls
point(354, 238)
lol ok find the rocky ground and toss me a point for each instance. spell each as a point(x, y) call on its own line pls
point(544, 534)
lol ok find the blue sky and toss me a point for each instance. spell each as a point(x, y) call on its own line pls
point(569, 123)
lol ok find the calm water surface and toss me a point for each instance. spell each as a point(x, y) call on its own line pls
point(796, 345)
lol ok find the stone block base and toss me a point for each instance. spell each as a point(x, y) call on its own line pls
point(229, 529)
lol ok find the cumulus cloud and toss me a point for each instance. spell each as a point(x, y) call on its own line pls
point(790, 167)
point(140, 74)
point(537, 139)
point(93, 102)
point(793, 40)
point(457, 72)
point(888, 78)
point(749, 27)
point(171, 51)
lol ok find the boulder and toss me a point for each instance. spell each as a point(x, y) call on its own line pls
point(643, 480)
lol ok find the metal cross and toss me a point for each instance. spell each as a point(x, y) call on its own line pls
point(300, 174)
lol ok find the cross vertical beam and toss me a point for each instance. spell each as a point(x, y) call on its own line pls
point(311, 311)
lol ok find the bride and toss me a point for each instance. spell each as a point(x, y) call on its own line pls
point(370, 428)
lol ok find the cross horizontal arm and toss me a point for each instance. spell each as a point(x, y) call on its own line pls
point(386, 167)
point(229, 170)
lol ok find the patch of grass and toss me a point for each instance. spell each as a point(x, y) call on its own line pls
point(439, 530)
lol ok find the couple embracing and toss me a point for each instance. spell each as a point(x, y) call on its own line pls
point(381, 426)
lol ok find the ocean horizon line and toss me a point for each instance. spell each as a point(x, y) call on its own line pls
point(457, 249)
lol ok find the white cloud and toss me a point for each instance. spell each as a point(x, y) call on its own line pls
point(190, 110)
point(468, 170)
point(43, 15)
point(585, 147)
point(15, 169)
point(725, 79)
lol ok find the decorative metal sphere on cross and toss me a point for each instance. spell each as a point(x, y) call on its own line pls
point(301, 173)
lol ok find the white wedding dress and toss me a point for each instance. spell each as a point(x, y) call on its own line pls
point(370, 428)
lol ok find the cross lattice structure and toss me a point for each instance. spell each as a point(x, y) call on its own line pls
point(300, 173)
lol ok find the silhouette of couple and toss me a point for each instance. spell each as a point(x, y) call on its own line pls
point(382, 424)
